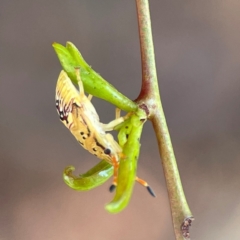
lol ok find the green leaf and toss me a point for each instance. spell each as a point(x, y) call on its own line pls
point(128, 165)
point(89, 180)
point(94, 84)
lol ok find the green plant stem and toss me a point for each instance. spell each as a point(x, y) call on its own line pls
point(150, 97)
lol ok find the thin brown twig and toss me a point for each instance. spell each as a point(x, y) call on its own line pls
point(150, 97)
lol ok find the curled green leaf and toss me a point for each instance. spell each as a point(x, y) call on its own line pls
point(128, 165)
point(96, 176)
point(94, 84)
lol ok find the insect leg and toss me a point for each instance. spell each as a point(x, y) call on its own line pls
point(145, 184)
point(118, 113)
point(80, 84)
point(90, 97)
point(111, 125)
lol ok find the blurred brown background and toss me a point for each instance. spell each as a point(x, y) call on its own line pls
point(198, 62)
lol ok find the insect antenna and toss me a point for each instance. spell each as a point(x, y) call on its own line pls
point(145, 184)
point(112, 187)
point(139, 180)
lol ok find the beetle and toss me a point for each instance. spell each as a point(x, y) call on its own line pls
point(78, 114)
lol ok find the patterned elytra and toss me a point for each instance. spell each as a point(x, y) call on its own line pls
point(79, 115)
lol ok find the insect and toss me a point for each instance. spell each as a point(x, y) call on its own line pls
point(78, 114)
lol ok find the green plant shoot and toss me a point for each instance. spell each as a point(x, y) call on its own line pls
point(89, 180)
point(129, 135)
point(94, 84)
